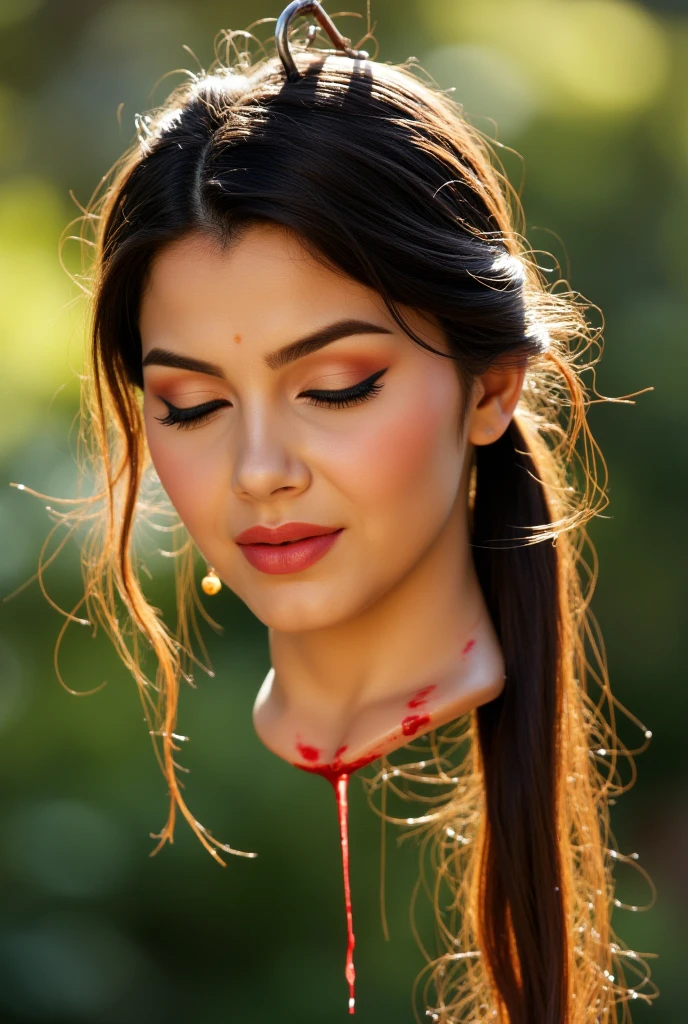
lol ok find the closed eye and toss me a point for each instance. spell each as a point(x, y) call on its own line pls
point(193, 416)
point(344, 397)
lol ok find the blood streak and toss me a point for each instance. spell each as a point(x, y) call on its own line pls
point(338, 774)
point(469, 647)
point(413, 723)
point(308, 753)
point(421, 696)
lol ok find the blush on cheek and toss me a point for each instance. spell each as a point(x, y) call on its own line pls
point(403, 452)
point(189, 482)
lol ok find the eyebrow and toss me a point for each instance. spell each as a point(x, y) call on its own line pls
point(318, 339)
point(275, 360)
point(162, 357)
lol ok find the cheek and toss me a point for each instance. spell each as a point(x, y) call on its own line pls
point(410, 459)
point(189, 475)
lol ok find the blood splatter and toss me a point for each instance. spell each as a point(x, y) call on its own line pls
point(413, 723)
point(469, 647)
point(338, 774)
point(308, 753)
point(339, 753)
point(421, 696)
point(333, 771)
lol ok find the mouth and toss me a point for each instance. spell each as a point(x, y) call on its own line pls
point(291, 547)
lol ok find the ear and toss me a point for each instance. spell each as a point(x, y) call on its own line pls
point(495, 396)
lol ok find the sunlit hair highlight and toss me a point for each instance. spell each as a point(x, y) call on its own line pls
point(526, 938)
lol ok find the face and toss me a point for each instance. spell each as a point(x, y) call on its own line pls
point(260, 413)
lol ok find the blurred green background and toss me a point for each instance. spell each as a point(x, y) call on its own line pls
point(594, 96)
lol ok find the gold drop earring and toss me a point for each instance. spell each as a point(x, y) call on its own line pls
point(211, 583)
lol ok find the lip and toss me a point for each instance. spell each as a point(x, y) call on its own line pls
point(280, 534)
point(291, 547)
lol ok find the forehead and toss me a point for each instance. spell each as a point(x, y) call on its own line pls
point(264, 277)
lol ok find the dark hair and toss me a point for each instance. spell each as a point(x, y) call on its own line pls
point(380, 176)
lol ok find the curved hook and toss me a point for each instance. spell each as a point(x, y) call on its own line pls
point(302, 7)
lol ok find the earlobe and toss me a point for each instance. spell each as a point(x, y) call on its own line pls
point(495, 401)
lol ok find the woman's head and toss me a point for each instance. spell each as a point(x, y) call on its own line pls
point(315, 408)
point(252, 213)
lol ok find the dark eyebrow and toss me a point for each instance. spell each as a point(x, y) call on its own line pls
point(161, 357)
point(275, 360)
point(318, 339)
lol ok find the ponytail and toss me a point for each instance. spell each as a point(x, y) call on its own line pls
point(520, 901)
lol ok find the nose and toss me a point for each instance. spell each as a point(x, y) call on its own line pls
point(267, 464)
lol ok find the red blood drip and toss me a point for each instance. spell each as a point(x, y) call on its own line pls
point(412, 724)
point(469, 647)
point(339, 753)
point(343, 809)
point(338, 774)
point(308, 753)
point(421, 697)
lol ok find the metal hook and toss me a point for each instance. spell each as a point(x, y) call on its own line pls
point(302, 7)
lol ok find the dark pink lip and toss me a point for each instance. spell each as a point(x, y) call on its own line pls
point(280, 534)
point(291, 547)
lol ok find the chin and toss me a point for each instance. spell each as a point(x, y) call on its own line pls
point(296, 611)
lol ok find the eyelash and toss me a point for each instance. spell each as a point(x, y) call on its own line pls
point(191, 417)
point(345, 397)
point(183, 419)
